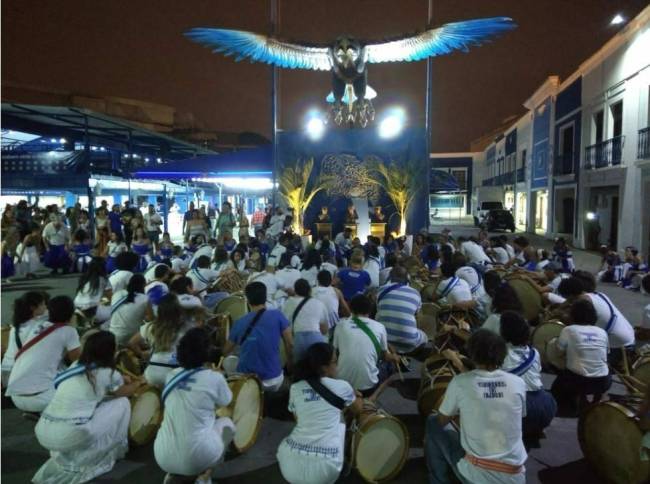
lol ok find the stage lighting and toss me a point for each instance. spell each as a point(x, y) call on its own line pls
point(315, 127)
point(617, 20)
point(392, 124)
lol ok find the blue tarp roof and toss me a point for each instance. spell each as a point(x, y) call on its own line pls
point(250, 162)
point(441, 181)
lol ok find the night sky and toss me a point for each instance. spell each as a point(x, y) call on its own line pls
point(135, 49)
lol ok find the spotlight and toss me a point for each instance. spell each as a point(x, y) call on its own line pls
point(392, 124)
point(315, 128)
point(62, 141)
point(617, 20)
point(591, 216)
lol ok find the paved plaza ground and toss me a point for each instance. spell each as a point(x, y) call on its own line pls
point(558, 461)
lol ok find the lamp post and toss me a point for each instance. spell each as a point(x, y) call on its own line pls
point(427, 119)
point(274, 102)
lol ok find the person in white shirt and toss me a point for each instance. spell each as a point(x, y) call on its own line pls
point(361, 342)
point(276, 224)
point(125, 264)
point(202, 279)
point(314, 450)
point(452, 290)
point(192, 440)
point(307, 317)
point(523, 360)
point(93, 286)
point(498, 251)
point(475, 253)
point(204, 250)
point(129, 309)
point(505, 299)
point(194, 312)
point(286, 277)
point(114, 248)
point(278, 251)
point(585, 346)
point(475, 282)
point(311, 266)
point(161, 337)
point(267, 278)
point(332, 298)
point(372, 265)
point(85, 426)
point(150, 273)
point(152, 222)
point(343, 244)
point(645, 287)
point(56, 238)
point(509, 248)
point(491, 404)
point(157, 289)
point(38, 350)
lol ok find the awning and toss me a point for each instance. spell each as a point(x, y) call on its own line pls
point(441, 181)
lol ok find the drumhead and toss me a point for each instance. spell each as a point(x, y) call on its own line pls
point(610, 439)
point(247, 412)
point(146, 416)
point(641, 370)
point(544, 333)
point(126, 359)
point(381, 448)
point(531, 301)
point(234, 305)
point(229, 364)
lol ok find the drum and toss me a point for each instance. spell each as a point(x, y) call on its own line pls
point(427, 319)
point(641, 369)
point(541, 338)
point(146, 415)
point(530, 298)
point(230, 281)
point(610, 439)
point(245, 410)
point(428, 291)
point(437, 372)
point(127, 362)
point(380, 444)
point(234, 305)
point(220, 327)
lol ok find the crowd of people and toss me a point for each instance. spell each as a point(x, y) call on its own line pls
point(328, 323)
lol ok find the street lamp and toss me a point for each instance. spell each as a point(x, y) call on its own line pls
point(617, 20)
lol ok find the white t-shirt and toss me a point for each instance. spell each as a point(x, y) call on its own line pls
point(372, 267)
point(473, 280)
point(319, 428)
point(287, 277)
point(116, 248)
point(329, 267)
point(119, 280)
point(126, 318)
point(154, 374)
point(621, 333)
point(491, 405)
point(150, 273)
point(500, 255)
point(311, 314)
point(35, 369)
point(179, 264)
point(518, 363)
point(76, 398)
point(646, 317)
point(586, 349)
point(86, 298)
point(310, 275)
point(474, 252)
point(510, 250)
point(206, 250)
point(357, 354)
point(202, 278)
point(329, 297)
point(189, 301)
point(56, 236)
point(268, 280)
point(493, 323)
point(152, 222)
point(384, 276)
point(454, 290)
point(276, 255)
point(555, 283)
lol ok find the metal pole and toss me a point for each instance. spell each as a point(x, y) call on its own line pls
point(427, 119)
point(274, 101)
point(165, 207)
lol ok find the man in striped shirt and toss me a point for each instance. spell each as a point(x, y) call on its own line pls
point(397, 304)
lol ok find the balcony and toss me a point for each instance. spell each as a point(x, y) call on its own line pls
point(643, 151)
point(605, 153)
point(563, 164)
point(521, 174)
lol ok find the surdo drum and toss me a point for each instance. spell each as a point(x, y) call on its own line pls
point(543, 340)
point(437, 372)
point(245, 410)
point(146, 415)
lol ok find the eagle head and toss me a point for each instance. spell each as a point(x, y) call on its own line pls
point(346, 52)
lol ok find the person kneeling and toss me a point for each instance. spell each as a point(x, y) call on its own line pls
point(313, 452)
point(191, 440)
point(85, 426)
point(490, 449)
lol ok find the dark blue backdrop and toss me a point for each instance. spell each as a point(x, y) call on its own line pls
point(408, 147)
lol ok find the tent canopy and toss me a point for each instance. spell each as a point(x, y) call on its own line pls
point(441, 181)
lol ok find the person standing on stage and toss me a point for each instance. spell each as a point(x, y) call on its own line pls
point(56, 238)
point(153, 221)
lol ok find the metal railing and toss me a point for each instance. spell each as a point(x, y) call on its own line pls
point(605, 153)
point(563, 164)
point(643, 149)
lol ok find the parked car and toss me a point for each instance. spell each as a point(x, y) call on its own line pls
point(482, 210)
point(499, 219)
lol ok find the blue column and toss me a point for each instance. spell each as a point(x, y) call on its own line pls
point(165, 208)
point(70, 199)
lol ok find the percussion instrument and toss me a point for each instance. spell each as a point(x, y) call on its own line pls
point(641, 369)
point(128, 363)
point(220, 324)
point(234, 305)
point(610, 439)
point(245, 410)
point(229, 364)
point(437, 372)
point(428, 291)
point(229, 281)
point(146, 415)
point(529, 296)
point(379, 444)
point(543, 340)
point(427, 319)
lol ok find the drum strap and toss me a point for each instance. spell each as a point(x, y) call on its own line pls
point(493, 465)
point(375, 342)
point(612, 313)
point(117, 305)
point(297, 310)
point(388, 290)
point(248, 331)
point(199, 276)
point(178, 378)
point(70, 372)
point(524, 365)
point(38, 338)
point(326, 394)
point(450, 285)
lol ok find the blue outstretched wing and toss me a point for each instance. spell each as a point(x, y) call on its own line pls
point(260, 48)
point(443, 40)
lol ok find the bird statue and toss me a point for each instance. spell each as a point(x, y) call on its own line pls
point(348, 57)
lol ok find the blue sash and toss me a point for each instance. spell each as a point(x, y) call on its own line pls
point(70, 372)
point(117, 305)
point(387, 290)
point(450, 285)
point(156, 293)
point(200, 277)
point(178, 378)
point(524, 365)
point(612, 314)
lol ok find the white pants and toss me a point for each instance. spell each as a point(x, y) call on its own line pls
point(33, 403)
point(273, 384)
point(302, 468)
point(79, 453)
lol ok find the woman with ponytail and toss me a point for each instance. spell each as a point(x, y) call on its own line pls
point(313, 452)
point(85, 426)
point(129, 309)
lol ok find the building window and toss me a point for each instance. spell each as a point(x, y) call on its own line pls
point(617, 119)
point(599, 126)
point(461, 178)
point(564, 159)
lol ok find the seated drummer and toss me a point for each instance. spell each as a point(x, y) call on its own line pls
point(585, 347)
point(202, 278)
point(491, 404)
point(397, 305)
point(452, 290)
point(126, 263)
point(258, 336)
point(361, 343)
point(40, 348)
point(505, 299)
point(157, 289)
point(523, 360)
point(191, 440)
point(353, 280)
point(314, 451)
point(85, 426)
point(129, 308)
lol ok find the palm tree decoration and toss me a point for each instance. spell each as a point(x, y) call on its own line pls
point(294, 188)
point(401, 183)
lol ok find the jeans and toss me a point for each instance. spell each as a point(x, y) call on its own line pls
point(442, 451)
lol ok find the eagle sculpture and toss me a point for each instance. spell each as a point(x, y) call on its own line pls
point(348, 57)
